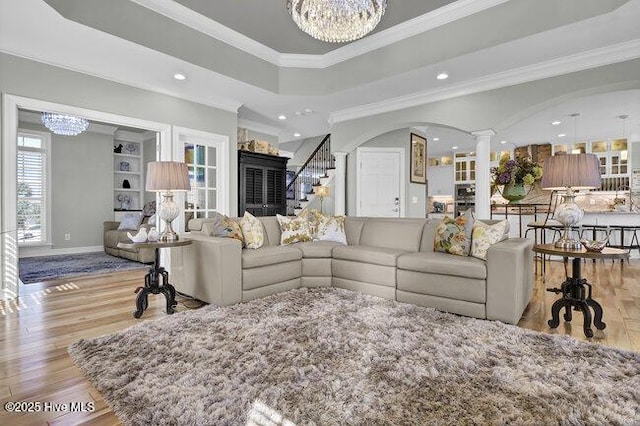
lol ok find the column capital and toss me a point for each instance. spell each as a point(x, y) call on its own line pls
point(486, 132)
point(340, 154)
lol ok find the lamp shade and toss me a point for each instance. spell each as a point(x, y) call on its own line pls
point(575, 171)
point(167, 176)
point(322, 191)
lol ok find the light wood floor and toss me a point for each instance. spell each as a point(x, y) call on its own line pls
point(35, 366)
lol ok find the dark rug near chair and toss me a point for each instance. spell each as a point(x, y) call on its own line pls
point(332, 357)
point(46, 268)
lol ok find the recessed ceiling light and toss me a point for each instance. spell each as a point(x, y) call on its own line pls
point(454, 147)
point(308, 111)
point(179, 76)
point(503, 142)
point(561, 135)
point(282, 117)
point(296, 135)
point(436, 139)
point(442, 76)
point(556, 123)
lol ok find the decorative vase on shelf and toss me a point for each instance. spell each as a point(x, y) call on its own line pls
point(514, 192)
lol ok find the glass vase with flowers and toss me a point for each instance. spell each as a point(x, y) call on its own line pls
point(516, 177)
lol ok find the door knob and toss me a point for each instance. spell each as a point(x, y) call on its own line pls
point(396, 201)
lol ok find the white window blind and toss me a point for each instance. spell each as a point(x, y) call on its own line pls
point(32, 189)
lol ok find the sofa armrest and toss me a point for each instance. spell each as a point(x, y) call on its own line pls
point(110, 226)
point(509, 279)
point(209, 269)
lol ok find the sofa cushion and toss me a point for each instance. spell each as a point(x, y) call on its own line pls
point(271, 230)
point(429, 234)
point(443, 264)
point(396, 234)
point(366, 254)
point(316, 249)
point(353, 229)
point(111, 238)
point(269, 256)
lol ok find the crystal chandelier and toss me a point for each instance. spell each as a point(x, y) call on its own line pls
point(337, 21)
point(64, 124)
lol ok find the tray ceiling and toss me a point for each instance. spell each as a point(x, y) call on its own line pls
point(269, 22)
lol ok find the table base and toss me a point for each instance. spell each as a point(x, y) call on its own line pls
point(576, 294)
point(152, 286)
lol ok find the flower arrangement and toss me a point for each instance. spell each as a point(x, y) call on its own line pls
point(518, 171)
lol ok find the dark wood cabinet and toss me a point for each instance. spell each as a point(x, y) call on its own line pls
point(261, 184)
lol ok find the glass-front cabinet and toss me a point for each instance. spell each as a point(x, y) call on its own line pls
point(613, 156)
point(464, 169)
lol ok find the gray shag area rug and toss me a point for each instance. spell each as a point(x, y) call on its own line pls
point(45, 268)
point(332, 356)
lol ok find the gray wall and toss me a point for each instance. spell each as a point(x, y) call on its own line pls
point(81, 187)
point(32, 79)
point(440, 180)
point(396, 139)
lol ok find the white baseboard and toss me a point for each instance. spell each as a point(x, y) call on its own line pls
point(47, 251)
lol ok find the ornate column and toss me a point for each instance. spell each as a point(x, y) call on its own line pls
point(340, 184)
point(483, 173)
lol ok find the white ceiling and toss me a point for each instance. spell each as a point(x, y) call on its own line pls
point(587, 42)
point(269, 22)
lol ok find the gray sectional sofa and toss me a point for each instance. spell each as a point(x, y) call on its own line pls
point(390, 258)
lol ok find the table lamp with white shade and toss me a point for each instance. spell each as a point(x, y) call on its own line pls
point(322, 192)
point(166, 177)
point(571, 172)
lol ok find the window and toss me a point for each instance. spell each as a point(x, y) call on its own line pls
point(202, 200)
point(33, 188)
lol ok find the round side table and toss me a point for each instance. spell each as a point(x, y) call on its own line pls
point(152, 279)
point(576, 291)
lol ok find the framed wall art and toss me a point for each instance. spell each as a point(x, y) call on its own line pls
point(418, 165)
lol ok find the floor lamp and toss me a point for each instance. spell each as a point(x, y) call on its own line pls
point(570, 173)
point(166, 177)
point(322, 191)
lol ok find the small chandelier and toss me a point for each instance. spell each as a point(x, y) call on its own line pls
point(337, 21)
point(64, 124)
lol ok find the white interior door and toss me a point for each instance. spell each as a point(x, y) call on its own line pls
point(379, 189)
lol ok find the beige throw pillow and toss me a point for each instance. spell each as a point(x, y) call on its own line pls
point(252, 231)
point(484, 236)
point(331, 228)
point(293, 230)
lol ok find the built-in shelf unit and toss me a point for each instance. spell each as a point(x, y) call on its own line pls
point(128, 172)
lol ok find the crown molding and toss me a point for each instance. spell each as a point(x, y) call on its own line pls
point(421, 24)
point(256, 126)
point(564, 65)
point(201, 23)
point(454, 11)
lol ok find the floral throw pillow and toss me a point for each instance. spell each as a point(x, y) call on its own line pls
point(454, 235)
point(294, 230)
point(252, 231)
point(225, 227)
point(331, 228)
point(484, 236)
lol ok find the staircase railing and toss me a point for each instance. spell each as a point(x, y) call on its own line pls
point(308, 176)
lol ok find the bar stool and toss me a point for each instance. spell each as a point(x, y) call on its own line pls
point(624, 229)
point(541, 227)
